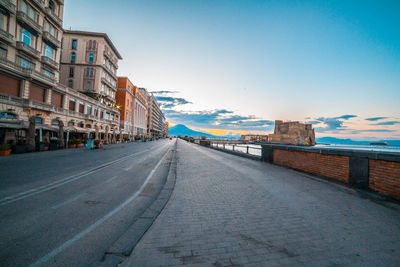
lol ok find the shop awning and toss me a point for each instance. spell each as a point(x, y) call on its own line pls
point(13, 125)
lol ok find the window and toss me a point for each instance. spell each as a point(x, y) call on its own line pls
point(103, 74)
point(48, 51)
point(70, 83)
point(81, 108)
point(3, 21)
point(91, 58)
point(71, 123)
point(71, 72)
point(52, 6)
point(88, 84)
point(101, 114)
point(8, 116)
point(26, 37)
point(48, 73)
point(73, 57)
point(48, 27)
point(105, 61)
point(89, 72)
point(28, 10)
point(71, 104)
point(89, 110)
point(3, 52)
point(91, 45)
point(55, 122)
point(25, 63)
point(102, 88)
point(74, 44)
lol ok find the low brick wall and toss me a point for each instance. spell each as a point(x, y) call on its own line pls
point(377, 171)
point(335, 167)
point(384, 176)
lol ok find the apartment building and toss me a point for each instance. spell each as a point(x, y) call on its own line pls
point(154, 115)
point(133, 108)
point(89, 64)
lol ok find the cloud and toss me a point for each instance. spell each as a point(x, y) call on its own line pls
point(164, 92)
point(333, 123)
point(219, 118)
point(376, 118)
point(370, 131)
point(387, 123)
point(167, 102)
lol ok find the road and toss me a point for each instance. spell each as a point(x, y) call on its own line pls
point(227, 210)
point(67, 207)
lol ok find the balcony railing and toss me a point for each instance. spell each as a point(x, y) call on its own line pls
point(8, 5)
point(48, 36)
point(39, 3)
point(53, 16)
point(28, 20)
point(50, 77)
point(5, 36)
point(109, 56)
point(28, 49)
point(49, 62)
point(107, 82)
point(16, 66)
point(110, 72)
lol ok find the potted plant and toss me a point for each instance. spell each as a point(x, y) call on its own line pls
point(46, 145)
point(5, 150)
point(71, 143)
point(78, 143)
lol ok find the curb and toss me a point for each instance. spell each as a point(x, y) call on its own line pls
point(123, 247)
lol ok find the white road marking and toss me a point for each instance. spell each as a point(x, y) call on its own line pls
point(112, 178)
point(55, 184)
point(67, 201)
point(98, 222)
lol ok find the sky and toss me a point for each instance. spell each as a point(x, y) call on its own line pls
point(233, 66)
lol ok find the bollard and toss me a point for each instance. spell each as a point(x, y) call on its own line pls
point(247, 149)
point(233, 147)
point(223, 145)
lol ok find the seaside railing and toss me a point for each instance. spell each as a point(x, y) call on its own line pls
point(247, 149)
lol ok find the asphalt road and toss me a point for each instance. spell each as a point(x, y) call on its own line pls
point(67, 207)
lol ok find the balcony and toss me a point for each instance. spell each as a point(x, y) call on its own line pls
point(10, 7)
point(110, 58)
point(108, 83)
point(6, 37)
point(61, 2)
point(110, 72)
point(38, 3)
point(48, 36)
point(21, 16)
point(49, 62)
point(28, 50)
point(54, 17)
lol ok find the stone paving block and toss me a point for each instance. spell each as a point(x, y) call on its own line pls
point(231, 211)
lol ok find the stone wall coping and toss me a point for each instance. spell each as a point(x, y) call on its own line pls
point(377, 155)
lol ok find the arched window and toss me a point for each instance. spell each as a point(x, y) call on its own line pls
point(73, 57)
point(91, 58)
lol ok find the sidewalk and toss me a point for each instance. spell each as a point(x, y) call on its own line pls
point(231, 211)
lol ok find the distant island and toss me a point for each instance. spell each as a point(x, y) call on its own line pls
point(183, 130)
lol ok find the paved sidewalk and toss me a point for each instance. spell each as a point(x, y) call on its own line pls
point(231, 211)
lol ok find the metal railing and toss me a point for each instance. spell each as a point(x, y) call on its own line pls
point(242, 148)
point(6, 36)
point(48, 36)
point(28, 49)
point(25, 18)
point(8, 5)
point(53, 16)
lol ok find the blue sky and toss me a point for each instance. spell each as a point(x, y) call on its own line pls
point(236, 66)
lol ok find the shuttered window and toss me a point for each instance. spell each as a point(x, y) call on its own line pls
point(81, 108)
point(71, 105)
point(37, 93)
point(56, 99)
point(8, 85)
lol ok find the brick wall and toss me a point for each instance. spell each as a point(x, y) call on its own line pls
point(335, 167)
point(384, 177)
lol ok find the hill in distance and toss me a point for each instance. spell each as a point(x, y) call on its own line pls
point(182, 130)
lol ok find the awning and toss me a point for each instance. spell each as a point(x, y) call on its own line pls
point(50, 44)
point(13, 125)
point(5, 12)
point(75, 129)
point(29, 29)
point(46, 127)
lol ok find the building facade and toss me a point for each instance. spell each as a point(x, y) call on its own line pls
point(133, 107)
point(31, 36)
point(155, 117)
point(89, 63)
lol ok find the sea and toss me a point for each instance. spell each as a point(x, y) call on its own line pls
point(256, 149)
